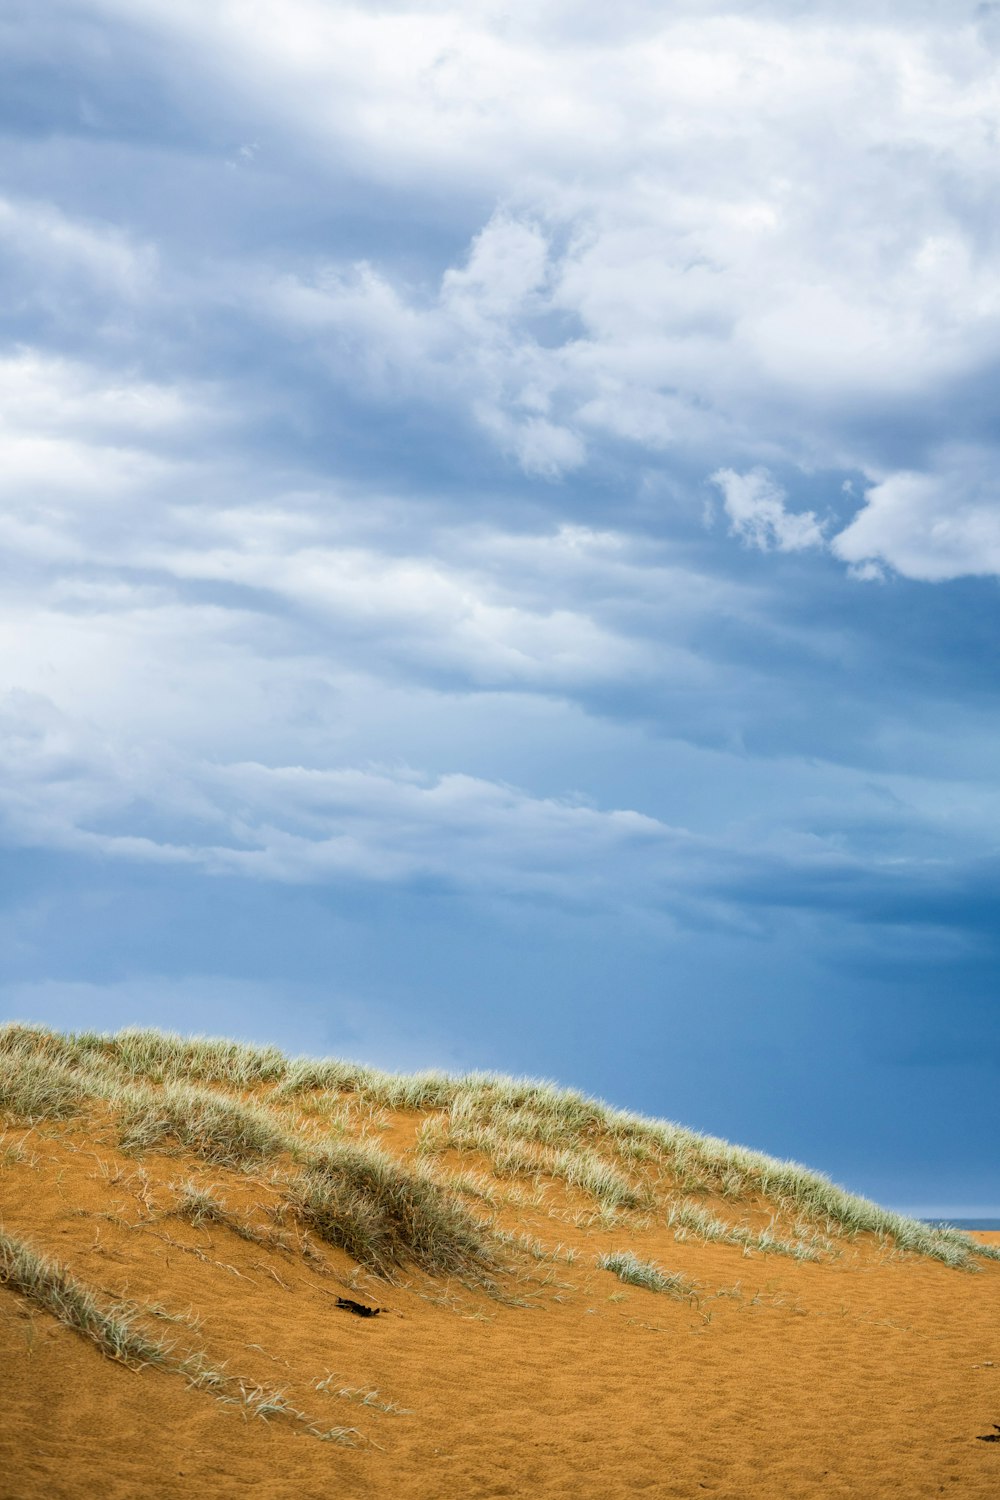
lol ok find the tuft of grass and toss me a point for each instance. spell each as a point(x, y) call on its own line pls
point(413, 1091)
point(512, 1156)
point(154, 1055)
point(529, 1244)
point(36, 1088)
point(164, 1057)
point(18, 1155)
point(471, 1185)
point(739, 1173)
point(50, 1286)
point(262, 1401)
point(386, 1216)
point(627, 1266)
point(200, 1207)
point(584, 1169)
point(306, 1075)
point(17, 1039)
point(112, 1327)
point(687, 1217)
point(255, 1400)
point(219, 1130)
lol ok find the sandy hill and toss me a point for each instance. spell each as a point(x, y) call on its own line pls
point(573, 1301)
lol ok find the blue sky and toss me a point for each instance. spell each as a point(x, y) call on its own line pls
point(499, 531)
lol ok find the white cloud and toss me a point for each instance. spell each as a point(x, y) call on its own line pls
point(935, 525)
point(931, 525)
point(755, 506)
point(508, 262)
point(86, 455)
point(159, 589)
point(749, 236)
point(46, 393)
point(539, 446)
point(474, 344)
point(178, 633)
point(740, 238)
point(66, 786)
point(718, 269)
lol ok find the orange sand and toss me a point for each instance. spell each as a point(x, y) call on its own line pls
point(873, 1375)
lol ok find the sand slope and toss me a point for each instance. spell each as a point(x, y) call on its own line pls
point(868, 1373)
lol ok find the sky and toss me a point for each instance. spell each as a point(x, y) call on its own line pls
point(499, 531)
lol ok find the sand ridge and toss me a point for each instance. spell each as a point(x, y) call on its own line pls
point(868, 1373)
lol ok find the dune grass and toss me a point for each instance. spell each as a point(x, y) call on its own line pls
point(158, 1056)
point(386, 1215)
point(168, 1092)
point(36, 1081)
point(692, 1218)
point(627, 1266)
point(203, 1208)
point(113, 1328)
point(35, 1088)
point(227, 1132)
point(351, 1194)
point(49, 1285)
point(511, 1154)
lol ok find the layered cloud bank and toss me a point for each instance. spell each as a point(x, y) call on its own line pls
point(737, 237)
point(459, 446)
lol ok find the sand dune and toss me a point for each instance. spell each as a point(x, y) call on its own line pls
point(788, 1353)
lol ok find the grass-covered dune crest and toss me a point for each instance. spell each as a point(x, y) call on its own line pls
point(231, 1102)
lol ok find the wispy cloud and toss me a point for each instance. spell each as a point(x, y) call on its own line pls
point(756, 509)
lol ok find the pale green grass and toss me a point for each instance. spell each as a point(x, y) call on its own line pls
point(163, 1057)
point(370, 1398)
point(511, 1155)
point(48, 1285)
point(202, 1208)
point(17, 1155)
point(35, 1088)
point(113, 1328)
point(523, 1127)
point(691, 1218)
point(225, 1131)
point(254, 1400)
point(627, 1266)
point(471, 1185)
point(386, 1215)
point(350, 1193)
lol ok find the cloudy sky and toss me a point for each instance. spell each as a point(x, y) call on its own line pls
point(500, 528)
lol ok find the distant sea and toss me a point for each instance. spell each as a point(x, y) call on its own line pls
point(967, 1223)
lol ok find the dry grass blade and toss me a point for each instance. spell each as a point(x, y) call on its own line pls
point(50, 1286)
point(201, 1207)
point(627, 1266)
